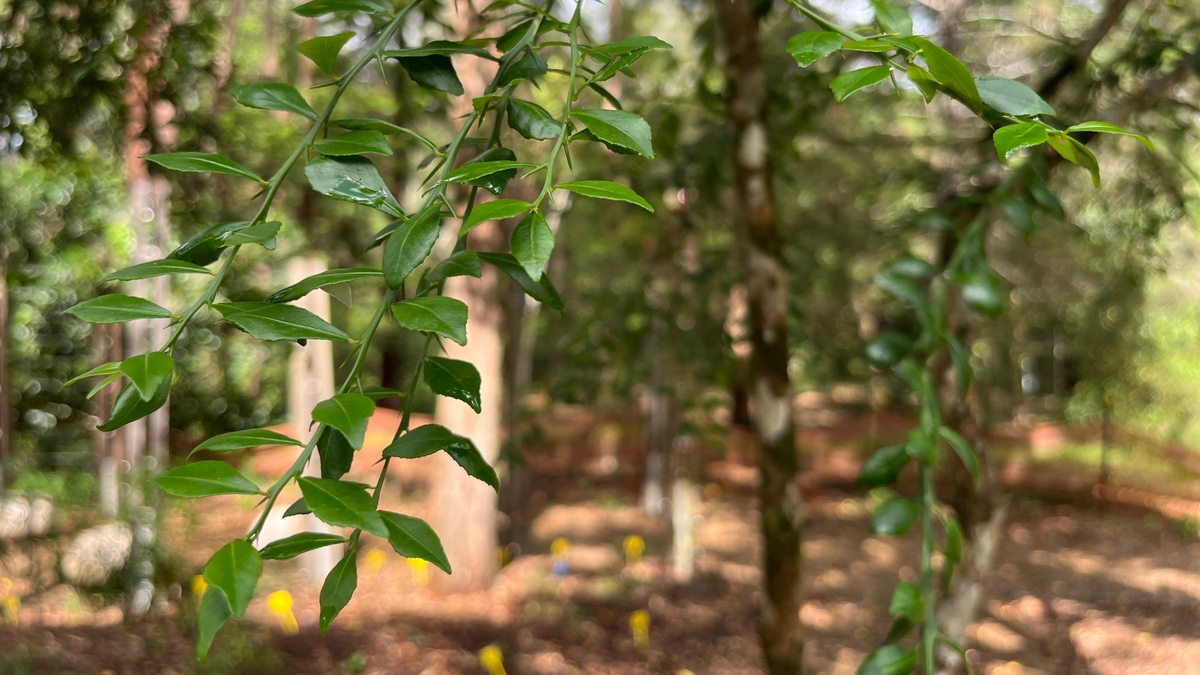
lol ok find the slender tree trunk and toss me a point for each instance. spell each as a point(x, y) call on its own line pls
point(5, 414)
point(779, 494)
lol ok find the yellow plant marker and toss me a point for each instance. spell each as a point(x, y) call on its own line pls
point(634, 547)
point(503, 555)
point(280, 604)
point(199, 585)
point(12, 604)
point(639, 623)
point(492, 659)
point(420, 571)
point(375, 560)
point(560, 547)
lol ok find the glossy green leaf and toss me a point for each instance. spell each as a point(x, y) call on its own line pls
point(951, 72)
point(273, 321)
point(439, 48)
point(414, 538)
point(953, 550)
point(103, 383)
point(461, 264)
point(892, 19)
point(290, 547)
point(117, 308)
point(493, 181)
point(884, 467)
point(456, 379)
point(359, 142)
point(155, 268)
point(408, 247)
point(626, 46)
point(809, 47)
point(352, 179)
point(894, 516)
point(247, 438)
point(360, 123)
point(106, 369)
point(348, 413)
point(532, 120)
point(1077, 153)
point(532, 242)
point(588, 137)
point(963, 372)
point(964, 450)
point(430, 438)
point(1011, 138)
point(494, 210)
point(472, 171)
point(434, 314)
point(204, 479)
point(980, 293)
point(323, 51)
point(273, 96)
point(322, 7)
point(851, 81)
point(911, 267)
point(342, 504)
point(906, 602)
point(870, 46)
point(298, 508)
point(603, 189)
point(889, 660)
point(202, 162)
point(887, 348)
point(338, 589)
point(529, 66)
point(130, 405)
point(542, 291)
point(1107, 128)
point(235, 569)
point(901, 287)
point(1011, 97)
point(923, 81)
point(624, 129)
point(323, 280)
point(213, 613)
point(377, 393)
point(433, 72)
point(336, 452)
point(146, 372)
point(262, 234)
point(206, 246)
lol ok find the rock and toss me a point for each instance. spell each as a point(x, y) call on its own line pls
point(96, 553)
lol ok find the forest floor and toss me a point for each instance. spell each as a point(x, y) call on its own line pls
point(1080, 586)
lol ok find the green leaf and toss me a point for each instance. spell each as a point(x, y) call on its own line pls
point(337, 454)
point(951, 72)
point(616, 65)
point(809, 47)
point(204, 479)
point(1107, 128)
point(954, 545)
point(348, 413)
point(361, 123)
point(924, 81)
point(603, 189)
point(1077, 153)
point(627, 46)
point(432, 72)
point(290, 547)
point(472, 171)
point(963, 371)
point(247, 438)
point(456, 379)
point(206, 246)
point(542, 291)
point(532, 120)
point(272, 321)
point(888, 348)
point(1011, 138)
point(529, 66)
point(414, 538)
point(1011, 97)
point(588, 137)
point(262, 234)
point(494, 210)
point(901, 287)
point(338, 589)
point(980, 293)
point(273, 96)
point(906, 602)
point(117, 308)
point(322, 280)
point(531, 244)
point(377, 393)
point(493, 182)
point(849, 82)
point(213, 613)
point(106, 369)
point(298, 508)
point(155, 268)
point(408, 247)
point(440, 48)
point(321, 7)
point(892, 19)
point(103, 383)
point(894, 516)
point(352, 179)
point(130, 406)
point(884, 467)
point(624, 129)
point(965, 452)
point(435, 314)
point(911, 267)
point(235, 569)
point(889, 660)
point(430, 438)
point(461, 264)
point(871, 46)
point(358, 142)
point(342, 504)
point(147, 371)
point(324, 50)
point(202, 162)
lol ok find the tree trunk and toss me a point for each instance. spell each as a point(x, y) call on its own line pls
point(5, 413)
point(779, 495)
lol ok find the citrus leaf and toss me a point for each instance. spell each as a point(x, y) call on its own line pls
point(906, 602)
point(542, 291)
point(338, 589)
point(1014, 137)
point(348, 413)
point(849, 82)
point(884, 467)
point(290, 547)
point(472, 171)
point(117, 308)
point(342, 504)
point(213, 613)
point(204, 479)
point(321, 280)
point(456, 379)
point(888, 348)
point(273, 96)
point(603, 189)
point(147, 371)
point(889, 660)
point(430, 438)
point(323, 51)
point(247, 438)
point(130, 406)
point(532, 120)
point(965, 452)
point(1107, 128)
point(624, 129)
point(272, 321)
point(155, 268)
point(202, 162)
point(235, 569)
point(494, 210)
point(321, 7)
point(532, 242)
point(358, 142)
point(894, 516)
point(461, 264)
point(951, 72)
point(444, 316)
point(626, 46)
point(1011, 97)
point(408, 247)
point(352, 179)
point(414, 538)
point(440, 48)
point(892, 19)
point(809, 47)
point(432, 72)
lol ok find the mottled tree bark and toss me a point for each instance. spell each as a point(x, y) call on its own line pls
point(779, 494)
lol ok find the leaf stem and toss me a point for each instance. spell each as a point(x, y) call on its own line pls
point(567, 105)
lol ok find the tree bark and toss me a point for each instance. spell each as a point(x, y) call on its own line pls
point(780, 501)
